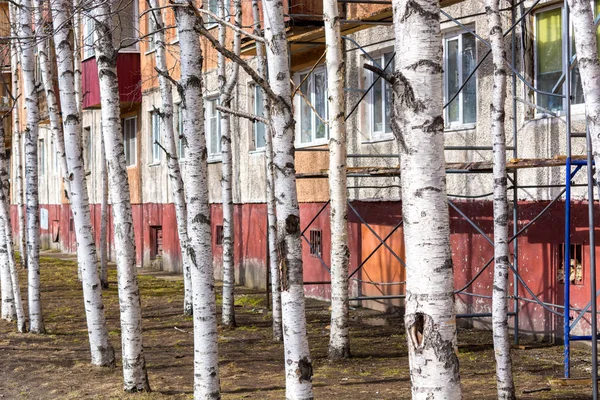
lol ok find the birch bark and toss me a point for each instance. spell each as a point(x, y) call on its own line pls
point(582, 18)
point(206, 359)
point(226, 86)
point(102, 352)
point(134, 364)
point(298, 364)
point(418, 124)
point(17, 147)
point(36, 321)
point(166, 94)
point(270, 192)
point(7, 229)
point(9, 312)
point(103, 216)
point(504, 379)
point(339, 339)
point(77, 54)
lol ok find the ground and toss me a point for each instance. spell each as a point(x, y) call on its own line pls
point(56, 365)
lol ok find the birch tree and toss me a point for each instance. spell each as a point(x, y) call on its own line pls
point(418, 125)
point(27, 43)
point(103, 215)
point(270, 193)
point(6, 243)
point(134, 363)
point(339, 339)
point(504, 379)
point(166, 113)
point(298, 364)
point(17, 147)
point(582, 18)
point(226, 86)
point(206, 359)
point(9, 312)
point(102, 352)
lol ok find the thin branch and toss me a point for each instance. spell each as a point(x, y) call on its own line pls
point(383, 74)
point(309, 104)
point(241, 114)
point(229, 25)
point(309, 73)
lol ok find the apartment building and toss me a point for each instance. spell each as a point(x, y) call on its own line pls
point(536, 129)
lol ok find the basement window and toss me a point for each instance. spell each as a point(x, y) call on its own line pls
point(156, 242)
point(219, 235)
point(316, 243)
point(576, 264)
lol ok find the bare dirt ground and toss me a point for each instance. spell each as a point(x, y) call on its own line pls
point(56, 365)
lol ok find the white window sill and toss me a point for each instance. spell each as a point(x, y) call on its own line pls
point(147, 53)
point(214, 159)
point(311, 144)
point(132, 166)
point(576, 110)
point(154, 164)
point(459, 128)
point(379, 139)
point(260, 150)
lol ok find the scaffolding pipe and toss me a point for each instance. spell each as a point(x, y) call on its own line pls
point(513, 15)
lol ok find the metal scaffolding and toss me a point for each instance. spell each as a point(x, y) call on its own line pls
point(572, 164)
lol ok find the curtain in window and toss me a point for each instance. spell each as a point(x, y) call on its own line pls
point(549, 56)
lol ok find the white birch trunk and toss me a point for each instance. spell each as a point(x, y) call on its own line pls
point(582, 18)
point(17, 149)
point(206, 358)
point(270, 193)
point(419, 128)
point(103, 216)
point(504, 379)
point(166, 94)
point(298, 364)
point(77, 41)
point(36, 321)
point(7, 243)
point(9, 312)
point(226, 86)
point(134, 365)
point(102, 352)
point(339, 338)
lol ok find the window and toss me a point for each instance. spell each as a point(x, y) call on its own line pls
point(88, 37)
point(576, 264)
point(313, 129)
point(152, 27)
point(180, 139)
point(213, 6)
point(549, 32)
point(87, 139)
point(259, 128)
point(219, 235)
point(130, 140)
point(316, 244)
point(42, 157)
point(380, 98)
point(460, 57)
point(156, 242)
point(155, 137)
point(213, 128)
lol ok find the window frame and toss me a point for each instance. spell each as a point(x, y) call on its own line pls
point(88, 147)
point(151, 26)
point(179, 130)
point(298, 102)
point(379, 57)
point(576, 108)
point(458, 34)
point(155, 135)
point(41, 157)
point(134, 141)
point(208, 132)
point(88, 38)
point(255, 110)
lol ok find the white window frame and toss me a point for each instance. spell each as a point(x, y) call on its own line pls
point(134, 153)
point(457, 34)
point(151, 24)
point(179, 130)
point(88, 33)
point(42, 157)
point(379, 58)
point(211, 155)
point(298, 103)
point(88, 147)
point(255, 110)
point(575, 108)
point(155, 135)
point(213, 6)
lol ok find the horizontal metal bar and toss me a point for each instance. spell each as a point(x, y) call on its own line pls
point(481, 315)
point(581, 338)
point(317, 283)
point(361, 298)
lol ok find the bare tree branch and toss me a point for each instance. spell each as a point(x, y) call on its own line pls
point(241, 114)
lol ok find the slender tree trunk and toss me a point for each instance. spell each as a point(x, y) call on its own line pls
point(103, 217)
point(582, 18)
point(134, 363)
point(77, 40)
point(339, 339)
point(504, 379)
point(226, 86)
point(5, 222)
point(9, 312)
point(206, 358)
point(166, 94)
point(17, 147)
point(36, 320)
point(298, 364)
point(270, 192)
point(102, 351)
point(418, 124)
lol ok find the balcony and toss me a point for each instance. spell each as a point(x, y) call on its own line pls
point(130, 78)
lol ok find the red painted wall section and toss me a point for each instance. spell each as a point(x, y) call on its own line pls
point(130, 77)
